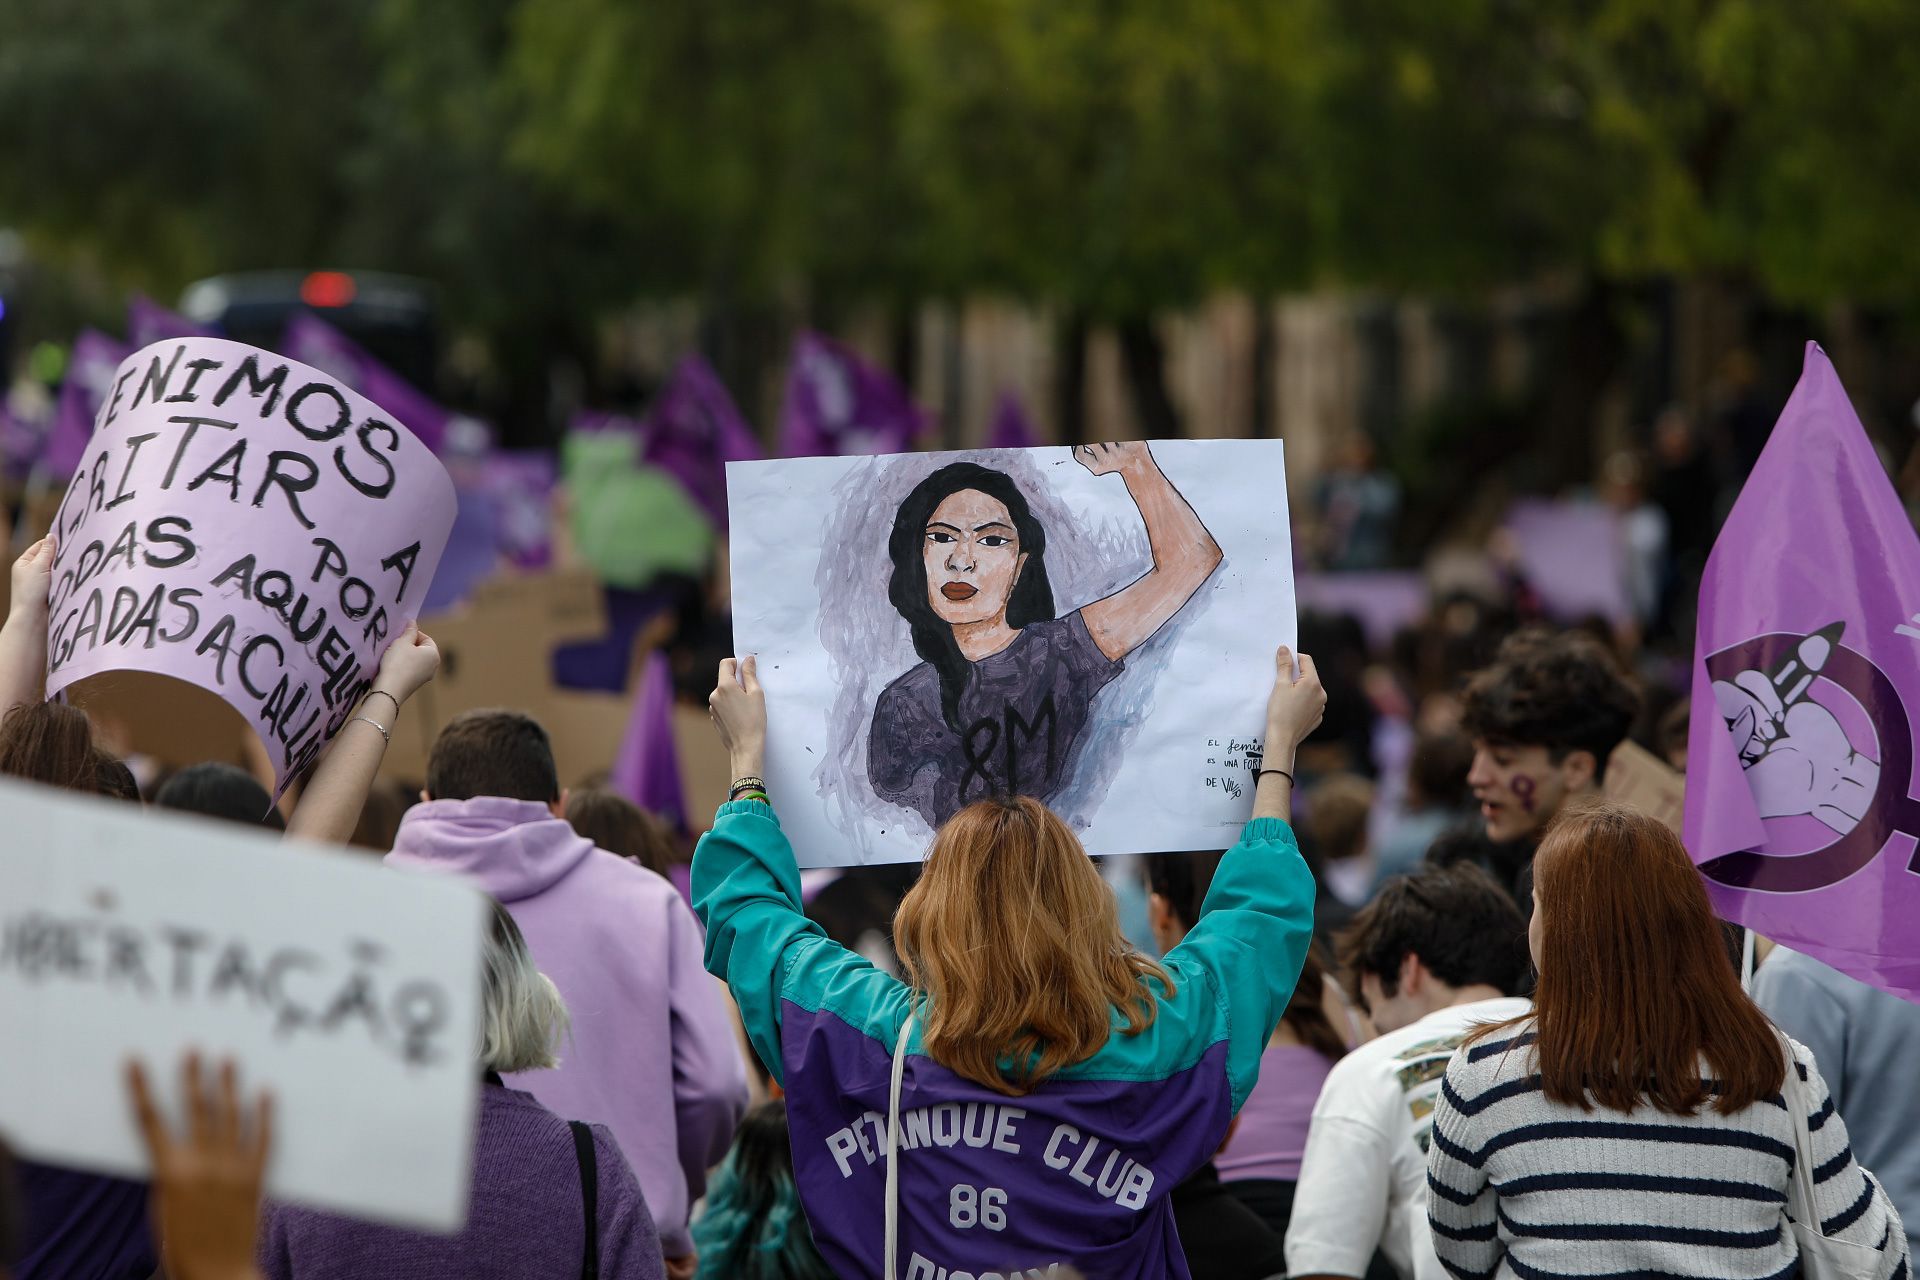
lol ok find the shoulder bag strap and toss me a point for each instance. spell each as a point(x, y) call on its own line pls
point(893, 1147)
point(589, 1196)
point(1800, 1201)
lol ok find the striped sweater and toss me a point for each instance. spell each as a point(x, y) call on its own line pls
point(1521, 1186)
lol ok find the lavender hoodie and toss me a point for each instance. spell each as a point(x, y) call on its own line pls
point(653, 1054)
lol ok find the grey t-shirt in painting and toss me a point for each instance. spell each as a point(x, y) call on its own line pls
point(1022, 713)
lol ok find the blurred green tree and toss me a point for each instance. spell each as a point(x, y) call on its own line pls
point(548, 159)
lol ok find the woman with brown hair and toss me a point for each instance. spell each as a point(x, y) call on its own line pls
point(1641, 1120)
point(1051, 1084)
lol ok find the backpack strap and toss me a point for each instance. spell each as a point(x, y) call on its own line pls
point(589, 1196)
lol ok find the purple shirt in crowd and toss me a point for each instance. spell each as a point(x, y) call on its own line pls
point(82, 1226)
point(1021, 713)
point(524, 1222)
point(1273, 1123)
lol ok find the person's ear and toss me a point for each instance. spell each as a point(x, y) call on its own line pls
point(424, 797)
point(1162, 922)
point(1579, 770)
point(1158, 910)
point(558, 808)
point(1413, 975)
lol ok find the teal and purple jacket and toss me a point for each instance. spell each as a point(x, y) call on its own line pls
point(1075, 1173)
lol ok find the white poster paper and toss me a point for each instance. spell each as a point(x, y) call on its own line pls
point(348, 990)
point(249, 525)
point(1093, 626)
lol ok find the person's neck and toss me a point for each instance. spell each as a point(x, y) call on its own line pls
point(983, 639)
point(1454, 997)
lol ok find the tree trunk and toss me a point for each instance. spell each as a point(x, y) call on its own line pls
point(1266, 349)
point(1144, 358)
point(1070, 403)
point(1595, 348)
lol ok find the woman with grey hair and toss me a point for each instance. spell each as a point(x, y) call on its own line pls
point(547, 1204)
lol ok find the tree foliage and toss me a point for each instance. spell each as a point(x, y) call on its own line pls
point(544, 159)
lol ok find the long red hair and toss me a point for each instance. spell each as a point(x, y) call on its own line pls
point(1011, 938)
point(1636, 988)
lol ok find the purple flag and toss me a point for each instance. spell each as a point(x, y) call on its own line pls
point(647, 770)
point(89, 378)
point(313, 341)
point(1806, 685)
point(520, 484)
point(148, 322)
point(20, 443)
point(472, 552)
point(693, 431)
point(839, 405)
point(1011, 429)
point(591, 421)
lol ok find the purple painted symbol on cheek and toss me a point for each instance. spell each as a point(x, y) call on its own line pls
point(1523, 787)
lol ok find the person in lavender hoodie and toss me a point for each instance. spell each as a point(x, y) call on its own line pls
point(653, 1054)
point(526, 1219)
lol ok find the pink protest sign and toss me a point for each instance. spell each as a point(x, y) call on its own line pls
point(249, 525)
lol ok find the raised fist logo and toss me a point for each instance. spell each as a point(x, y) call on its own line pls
point(1798, 759)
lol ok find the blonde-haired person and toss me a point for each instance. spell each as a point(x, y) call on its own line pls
point(1636, 1122)
point(1055, 1083)
point(526, 1218)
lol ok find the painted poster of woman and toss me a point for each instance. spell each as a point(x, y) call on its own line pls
point(1005, 683)
point(933, 628)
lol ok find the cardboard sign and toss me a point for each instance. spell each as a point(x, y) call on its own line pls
point(1093, 626)
point(250, 526)
point(348, 990)
point(1641, 780)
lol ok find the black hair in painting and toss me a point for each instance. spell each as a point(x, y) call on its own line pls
point(1030, 601)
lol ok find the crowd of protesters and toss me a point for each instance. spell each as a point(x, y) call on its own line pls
point(1442, 1009)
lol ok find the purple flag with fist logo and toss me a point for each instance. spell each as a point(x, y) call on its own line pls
point(693, 431)
point(838, 405)
point(1806, 687)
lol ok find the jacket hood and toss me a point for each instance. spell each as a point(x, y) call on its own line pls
point(511, 848)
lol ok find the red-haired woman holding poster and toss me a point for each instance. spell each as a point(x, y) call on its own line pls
point(1027, 1099)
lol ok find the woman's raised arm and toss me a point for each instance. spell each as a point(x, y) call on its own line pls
point(1184, 553)
point(746, 891)
point(23, 640)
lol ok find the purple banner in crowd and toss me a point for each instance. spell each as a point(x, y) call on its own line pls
point(838, 405)
point(90, 370)
point(20, 444)
point(693, 431)
point(1806, 687)
point(647, 769)
point(148, 322)
point(520, 483)
point(1011, 428)
point(1571, 555)
point(313, 341)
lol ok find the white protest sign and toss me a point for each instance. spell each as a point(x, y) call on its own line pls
point(348, 990)
point(251, 526)
point(1093, 626)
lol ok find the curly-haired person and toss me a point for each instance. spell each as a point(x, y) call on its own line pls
point(1544, 718)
